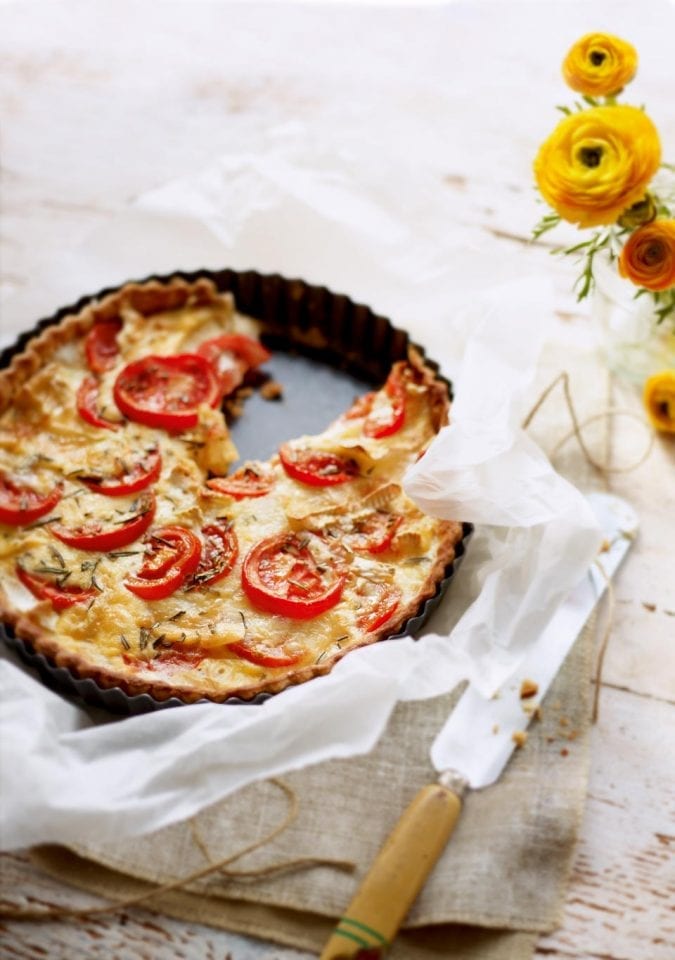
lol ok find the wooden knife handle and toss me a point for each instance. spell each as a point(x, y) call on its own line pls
point(396, 877)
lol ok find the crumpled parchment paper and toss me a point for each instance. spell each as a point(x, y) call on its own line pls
point(70, 775)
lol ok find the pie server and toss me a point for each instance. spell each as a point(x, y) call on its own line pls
point(471, 761)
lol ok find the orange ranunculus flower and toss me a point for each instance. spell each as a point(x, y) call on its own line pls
point(659, 400)
point(600, 65)
point(597, 163)
point(648, 258)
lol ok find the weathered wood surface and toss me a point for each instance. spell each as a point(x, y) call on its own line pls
point(99, 104)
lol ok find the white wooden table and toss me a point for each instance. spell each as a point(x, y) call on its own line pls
point(101, 101)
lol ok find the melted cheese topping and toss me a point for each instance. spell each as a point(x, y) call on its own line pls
point(184, 641)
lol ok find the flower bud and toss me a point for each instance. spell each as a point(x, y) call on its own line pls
point(644, 211)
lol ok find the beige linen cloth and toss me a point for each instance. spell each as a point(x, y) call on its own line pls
point(500, 882)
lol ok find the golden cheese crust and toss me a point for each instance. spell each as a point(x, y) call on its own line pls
point(354, 557)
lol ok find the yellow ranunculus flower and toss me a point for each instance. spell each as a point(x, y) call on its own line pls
point(600, 65)
point(597, 163)
point(659, 400)
point(648, 258)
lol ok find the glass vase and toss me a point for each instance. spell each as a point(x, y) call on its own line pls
point(632, 342)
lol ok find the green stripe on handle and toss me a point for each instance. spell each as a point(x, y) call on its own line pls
point(369, 930)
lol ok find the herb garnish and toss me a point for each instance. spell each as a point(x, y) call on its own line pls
point(43, 523)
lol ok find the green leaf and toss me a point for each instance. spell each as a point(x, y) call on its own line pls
point(546, 223)
point(579, 246)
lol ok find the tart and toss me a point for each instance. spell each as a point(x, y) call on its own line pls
point(135, 551)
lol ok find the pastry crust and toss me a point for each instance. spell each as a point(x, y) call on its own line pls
point(60, 637)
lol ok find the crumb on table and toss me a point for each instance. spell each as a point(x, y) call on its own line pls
point(519, 738)
point(272, 390)
point(528, 688)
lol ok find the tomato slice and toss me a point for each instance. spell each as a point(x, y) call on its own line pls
point(92, 536)
point(264, 654)
point(100, 345)
point(172, 556)
point(87, 397)
point(166, 392)
point(384, 601)
point(176, 657)
point(246, 352)
point(281, 575)
point(247, 481)
point(387, 420)
point(232, 355)
point(61, 597)
point(127, 479)
point(317, 468)
point(219, 554)
point(20, 505)
point(374, 531)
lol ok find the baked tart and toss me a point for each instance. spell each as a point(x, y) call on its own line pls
point(136, 551)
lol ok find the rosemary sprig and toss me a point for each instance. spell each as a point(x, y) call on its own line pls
point(43, 523)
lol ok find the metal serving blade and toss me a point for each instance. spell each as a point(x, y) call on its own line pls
point(469, 751)
point(477, 739)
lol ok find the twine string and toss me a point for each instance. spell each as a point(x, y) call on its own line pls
point(12, 912)
point(578, 426)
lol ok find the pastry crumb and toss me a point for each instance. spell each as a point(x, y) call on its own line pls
point(528, 688)
point(495, 728)
point(272, 390)
point(234, 407)
point(563, 721)
point(564, 752)
point(519, 738)
point(605, 546)
point(649, 606)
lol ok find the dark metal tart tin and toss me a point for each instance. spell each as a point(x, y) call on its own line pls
point(326, 350)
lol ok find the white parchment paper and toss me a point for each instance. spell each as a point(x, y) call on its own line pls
point(72, 776)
